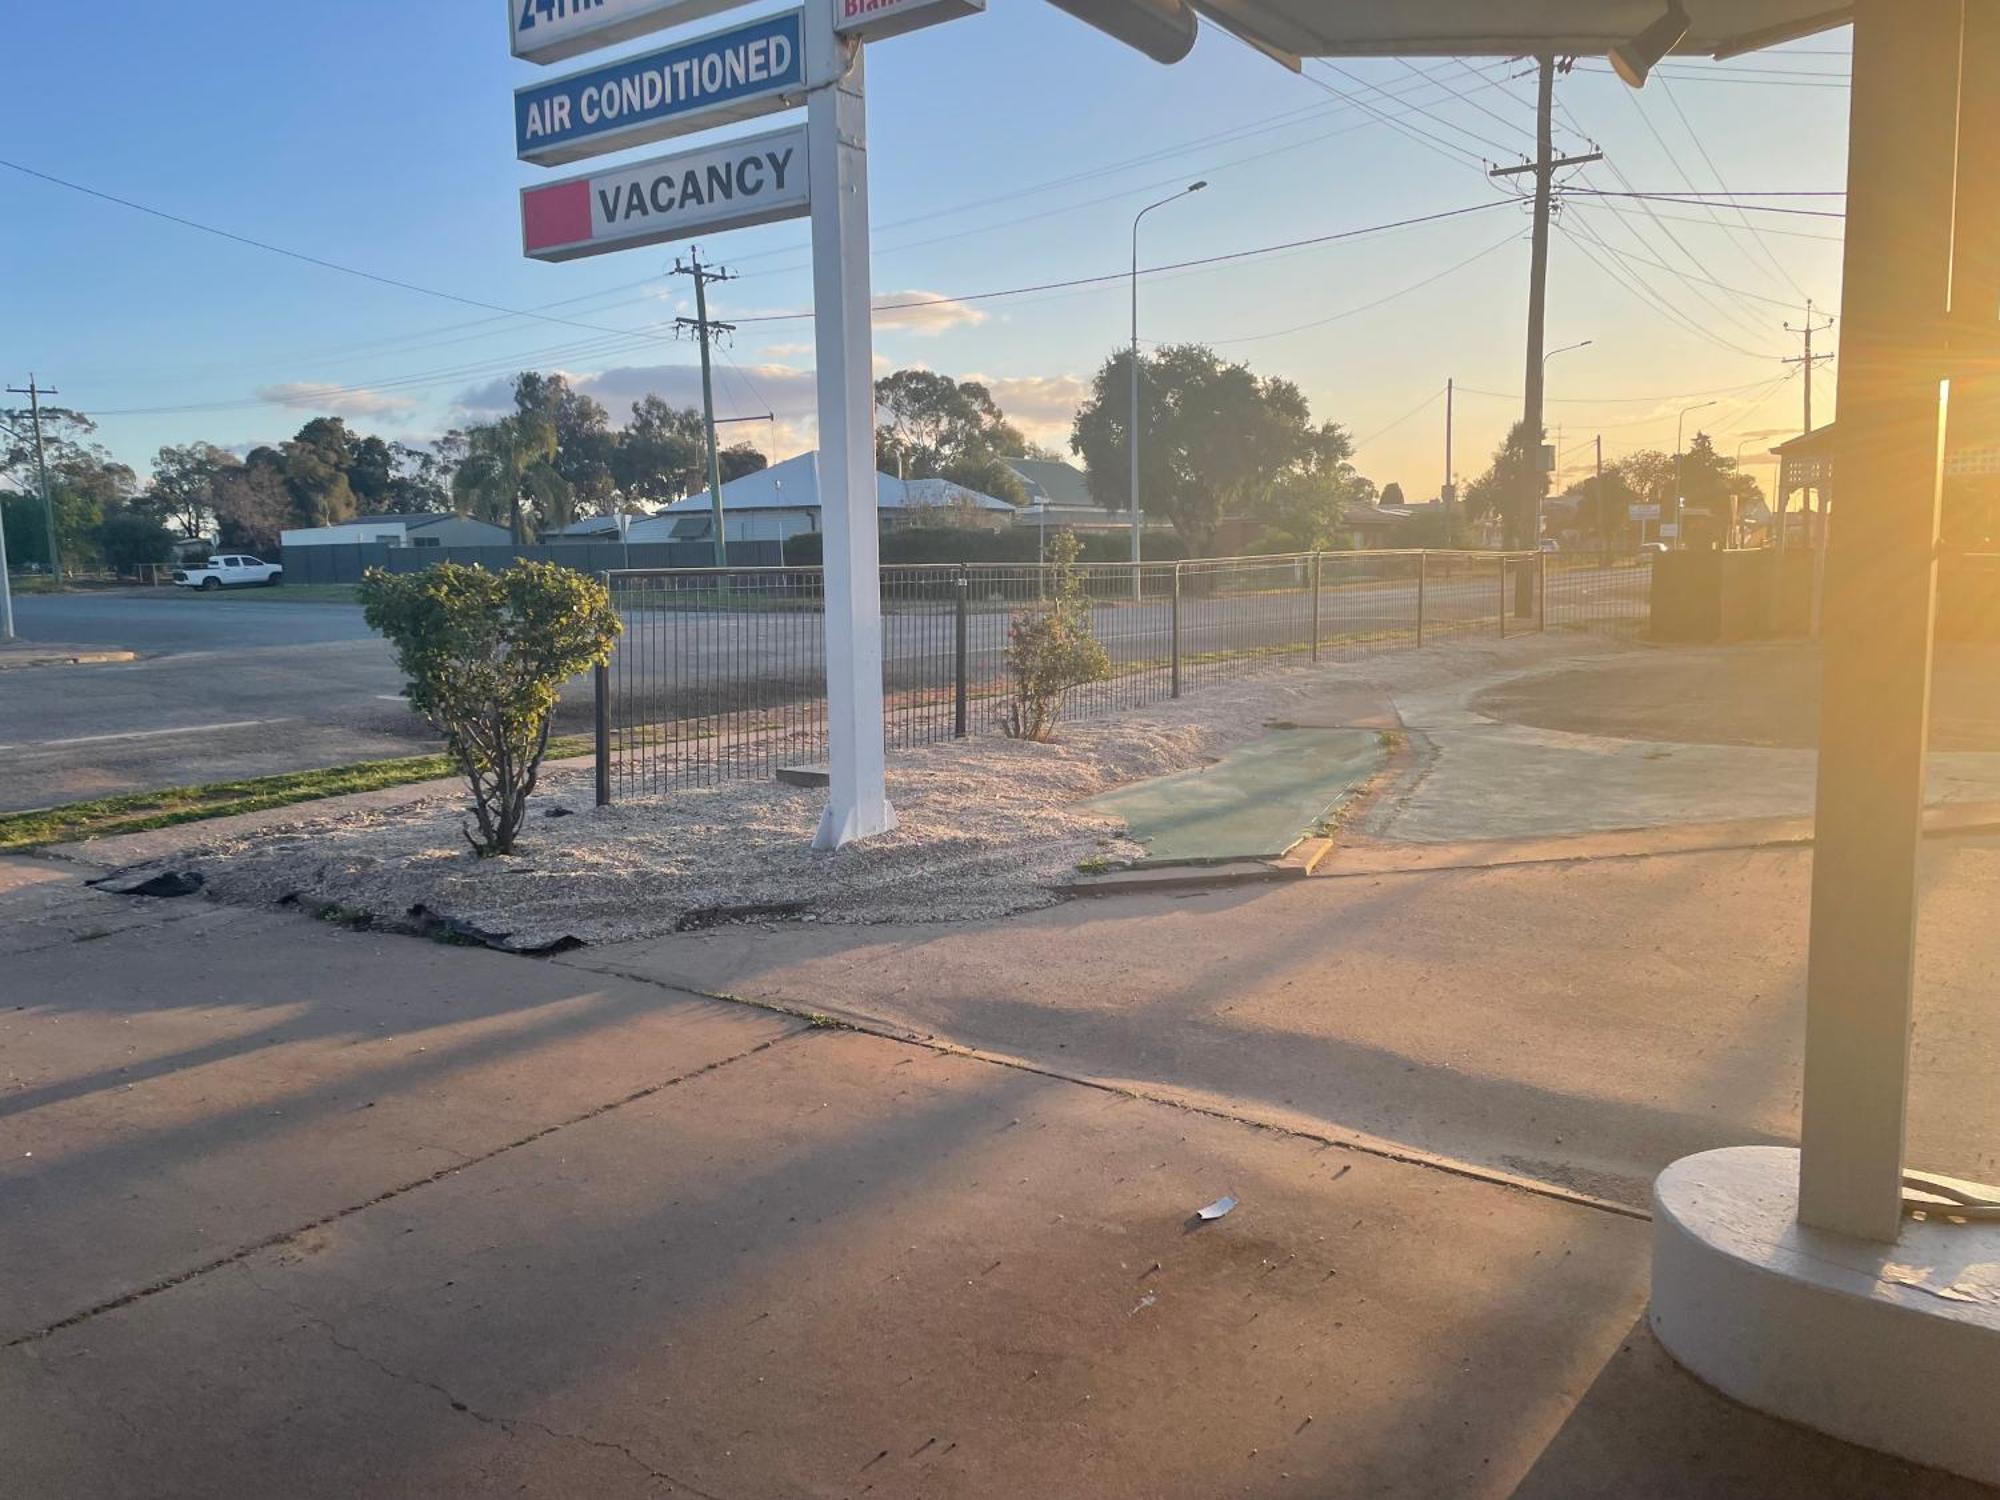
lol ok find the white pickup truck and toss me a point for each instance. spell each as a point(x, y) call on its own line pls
point(229, 570)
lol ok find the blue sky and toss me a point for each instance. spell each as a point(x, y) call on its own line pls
point(1006, 150)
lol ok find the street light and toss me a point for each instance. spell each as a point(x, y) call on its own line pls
point(1580, 344)
point(1132, 430)
point(1680, 427)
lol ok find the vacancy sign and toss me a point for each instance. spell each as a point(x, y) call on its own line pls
point(870, 20)
point(546, 31)
point(752, 69)
point(730, 185)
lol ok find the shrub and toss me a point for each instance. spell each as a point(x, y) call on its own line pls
point(485, 655)
point(1051, 649)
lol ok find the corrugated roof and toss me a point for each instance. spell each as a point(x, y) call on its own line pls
point(1052, 480)
point(794, 485)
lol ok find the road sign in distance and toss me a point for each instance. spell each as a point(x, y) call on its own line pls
point(546, 31)
point(755, 68)
point(871, 20)
point(753, 180)
point(1642, 512)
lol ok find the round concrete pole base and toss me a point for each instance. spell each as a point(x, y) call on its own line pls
point(1895, 1347)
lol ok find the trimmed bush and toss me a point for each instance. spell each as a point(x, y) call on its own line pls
point(485, 655)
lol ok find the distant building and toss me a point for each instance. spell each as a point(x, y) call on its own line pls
point(422, 529)
point(783, 501)
point(1062, 493)
point(610, 528)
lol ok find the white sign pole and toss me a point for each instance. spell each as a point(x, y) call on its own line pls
point(837, 152)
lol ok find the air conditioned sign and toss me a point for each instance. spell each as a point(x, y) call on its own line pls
point(754, 180)
point(546, 31)
point(870, 20)
point(749, 70)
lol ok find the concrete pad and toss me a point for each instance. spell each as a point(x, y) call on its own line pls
point(1255, 802)
point(847, 1266)
point(1429, 1010)
point(1478, 778)
point(199, 1078)
point(1895, 1346)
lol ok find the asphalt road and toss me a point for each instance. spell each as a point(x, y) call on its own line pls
point(247, 684)
point(223, 688)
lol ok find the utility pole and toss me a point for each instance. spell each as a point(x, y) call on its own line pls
point(1449, 493)
point(1597, 491)
point(6, 592)
point(1808, 359)
point(34, 393)
point(706, 332)
point(1545, 165)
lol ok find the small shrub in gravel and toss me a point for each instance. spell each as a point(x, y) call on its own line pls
point(1051, 649)
point(485, 655)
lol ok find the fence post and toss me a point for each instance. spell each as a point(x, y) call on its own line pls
point(1504, 604)
point(1542, 592)
point(1315, 606)
point(1423, 577)
point(1177, 630)
point(963, 584)
point(600, 684)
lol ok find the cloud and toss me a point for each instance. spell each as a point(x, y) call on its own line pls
point(1042, 406)
point(324, 396)
point(495, 398)
point(786, 351)
point(934, 313)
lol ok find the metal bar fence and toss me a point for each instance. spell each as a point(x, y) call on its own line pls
point(720, 674)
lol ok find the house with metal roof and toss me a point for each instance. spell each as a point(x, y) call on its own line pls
point(416, 529)
point(783, 501)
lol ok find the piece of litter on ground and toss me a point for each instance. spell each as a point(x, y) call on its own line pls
point(1144, 1302)
point(1216, 1209)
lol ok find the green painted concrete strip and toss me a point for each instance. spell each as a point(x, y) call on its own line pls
point(1254, 803)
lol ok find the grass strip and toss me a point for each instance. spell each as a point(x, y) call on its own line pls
point(137, 812)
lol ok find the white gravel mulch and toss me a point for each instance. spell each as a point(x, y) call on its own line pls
point(986, 826)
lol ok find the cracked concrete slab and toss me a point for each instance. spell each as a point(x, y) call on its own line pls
point(846, 1266)
point(197, 1078)
point(1429, 1009)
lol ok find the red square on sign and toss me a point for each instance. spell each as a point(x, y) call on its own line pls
point(558, 214)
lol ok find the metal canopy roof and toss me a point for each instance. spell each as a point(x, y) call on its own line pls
point(1291, 29)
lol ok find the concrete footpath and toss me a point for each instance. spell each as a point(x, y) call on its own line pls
point(286, 1209)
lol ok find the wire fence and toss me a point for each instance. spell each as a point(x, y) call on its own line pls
point(721, 673)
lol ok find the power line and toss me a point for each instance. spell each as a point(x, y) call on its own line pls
point(1428, 401)
point(1253, 338)
point(1179, 265)
point(1639, 288)
point(1762, 208)
point(1720, 390)
point(298, 255)
point(1661, 265)
point(623, 339)
point(1647, 210)
point(1685, 177)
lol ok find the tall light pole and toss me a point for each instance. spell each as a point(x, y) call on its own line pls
point(1541, 492)
point(1132, 429)
point(1680, 427)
